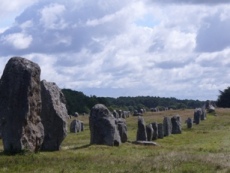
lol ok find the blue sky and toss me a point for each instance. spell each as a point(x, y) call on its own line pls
point(169, 48)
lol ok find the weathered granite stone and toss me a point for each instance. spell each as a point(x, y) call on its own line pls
point(122, 128)
point(149, 131)
point(126, 114)
point(203, 113)
point(115, 114)
point(209, 106)
point(160, 130)
point(103, 128)
point(119, 114)
point(211, 109)
point(197, 115)
point(141, 131)
point(82, 126)
point(20, 106)
point(54, 116)
point(136, 113)
point(176, 124)
point(76, 114)
point(155, 131)
point(167, 126)
point(189, 123)
point(76, 126)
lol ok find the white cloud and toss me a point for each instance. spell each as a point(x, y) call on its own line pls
point(3, 30)
point(18, 40)
point(133, 47)
point(209, 2)
point(51, 16)
point(14, 6)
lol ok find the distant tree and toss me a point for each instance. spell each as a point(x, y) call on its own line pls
point(224, 98)
point(81, 103)
point(76, 101)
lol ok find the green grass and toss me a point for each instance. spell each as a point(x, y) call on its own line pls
point(204, 148)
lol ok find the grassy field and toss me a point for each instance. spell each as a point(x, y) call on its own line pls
point(204, 148)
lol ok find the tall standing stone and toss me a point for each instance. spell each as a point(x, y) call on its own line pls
point(176, 124)
point(122, 128)
point(197, 115)
point(167, 126)
point(103, 128)
point(54, 116)
point(189, 123)
point(115, 114)
point(149, 131)
point(141, 131)
point(20, 106)
point(160, 128)
point(155, 131)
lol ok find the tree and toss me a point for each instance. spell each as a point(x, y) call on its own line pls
point(224, 98)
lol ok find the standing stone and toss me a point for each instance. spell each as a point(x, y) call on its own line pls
point(197, 115)
point(209, 106)
point(176, 124)
point(141, 131)
point(54, 116)
point(149, 131)
point(76, 114)
point(82, 126)
point(120, 114)
point(155, 131)
point(189, 123)
point(126, 114)
point(115, 114)
point(122, 128)
point(203, 113)
point(0, 130)
point(160, 130)
point(76, 126)
point(20, 106)
point(103, 128)
point(211, 109)
point(167, 126)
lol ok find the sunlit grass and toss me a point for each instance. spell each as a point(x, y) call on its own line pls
point(204, 148)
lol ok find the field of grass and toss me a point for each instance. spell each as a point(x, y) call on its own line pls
point(204, 148)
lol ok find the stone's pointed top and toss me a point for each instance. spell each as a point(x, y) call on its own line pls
point(100, 110)
point(54, 116)
point(99, 106)
point(23, 61)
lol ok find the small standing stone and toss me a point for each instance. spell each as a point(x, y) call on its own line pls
point(141, 131)
point(149, 130)
point(197, 115)
point(203, 113)
point(155, 131)
point(103, 128)
point(76, 126)
point(189, 123)
point(160, 130)
point(122, 128)
point(167, 126)
point(176, 124)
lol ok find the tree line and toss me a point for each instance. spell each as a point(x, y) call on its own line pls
point(224, 98)
point(79, 102)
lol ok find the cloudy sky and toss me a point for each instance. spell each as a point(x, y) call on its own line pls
point(123, 48)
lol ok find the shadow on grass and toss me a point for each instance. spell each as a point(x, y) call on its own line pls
point(4, 153)
point(81, 147)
